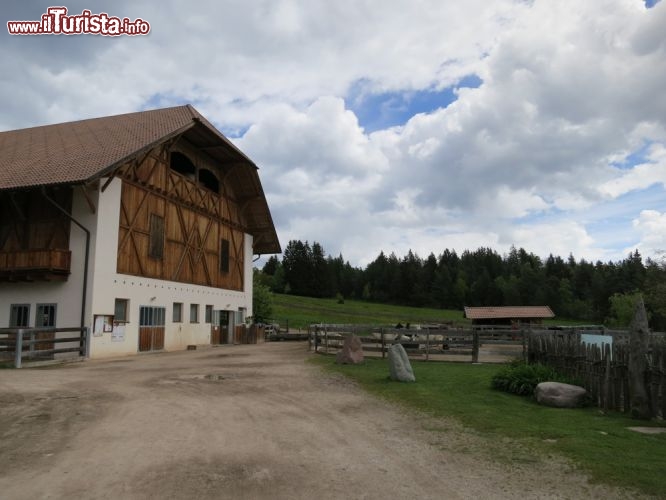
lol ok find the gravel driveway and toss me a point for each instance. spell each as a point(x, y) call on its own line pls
point(243, 422)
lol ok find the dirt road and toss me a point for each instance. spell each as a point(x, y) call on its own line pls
point(242, 422)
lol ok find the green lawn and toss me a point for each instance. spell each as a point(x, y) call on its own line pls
point(304, 311)
point(599, 444)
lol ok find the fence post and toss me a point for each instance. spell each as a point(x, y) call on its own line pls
point(383, 344)
point(86, 341)
point(326, 339)
point(607, 389)
point(522, 334)
point(427, 343)
point(18, 348)
point(475, 347)
point(316, 338)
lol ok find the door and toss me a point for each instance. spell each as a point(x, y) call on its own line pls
point(151, 328)
point(219, 327)
point(45, 318)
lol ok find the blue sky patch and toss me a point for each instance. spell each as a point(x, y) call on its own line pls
point(651, 3)
point(164, 100)
point(379, 111)
point(636, 158)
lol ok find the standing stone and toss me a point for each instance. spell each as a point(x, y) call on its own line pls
point(638, 365)
point(560, 395)
point(399, 366)
point(351, 353)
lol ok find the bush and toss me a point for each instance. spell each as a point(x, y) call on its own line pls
point(521, 378)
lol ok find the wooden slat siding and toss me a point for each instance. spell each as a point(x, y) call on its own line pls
point(55, 259)
point(29, 221)
point(195, 220)
point(34, 236)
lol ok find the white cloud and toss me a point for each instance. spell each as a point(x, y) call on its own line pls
point(570, 91)
point(651, 228)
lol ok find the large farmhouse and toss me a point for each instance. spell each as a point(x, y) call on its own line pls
point(141, 227)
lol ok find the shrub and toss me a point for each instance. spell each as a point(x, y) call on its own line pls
point(521, 378)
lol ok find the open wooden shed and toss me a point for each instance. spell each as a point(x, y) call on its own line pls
point(508, 315)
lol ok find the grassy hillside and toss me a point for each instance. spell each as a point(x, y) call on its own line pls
point(304, 311)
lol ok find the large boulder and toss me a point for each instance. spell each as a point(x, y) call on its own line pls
point(560, 395)
point(351, 353)
point(399, 366)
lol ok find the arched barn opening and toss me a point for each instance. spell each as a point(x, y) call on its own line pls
point(183, 165)
point(208, 180)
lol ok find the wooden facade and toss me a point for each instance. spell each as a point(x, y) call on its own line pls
point(179, 220)
point(34, 235)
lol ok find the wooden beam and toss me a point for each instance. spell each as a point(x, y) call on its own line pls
point(16, 207)
point(111, 177)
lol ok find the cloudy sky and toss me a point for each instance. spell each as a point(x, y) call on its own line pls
point(394, 125)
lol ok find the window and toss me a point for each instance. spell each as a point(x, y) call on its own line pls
point(194, 313)
point(156, 244)
point(209, 314)
point(239, 316)
point(46, 315)
point(19, 315)
point(177, 312)
point(151, 316)
point(224, 256)
point(120, 310)
point(208, 180)
point(183, 165)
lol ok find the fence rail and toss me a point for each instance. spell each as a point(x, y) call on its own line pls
point(427, 344)
point(40, 343)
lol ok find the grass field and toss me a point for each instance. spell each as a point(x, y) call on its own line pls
point(600, 444)
point(304, 311)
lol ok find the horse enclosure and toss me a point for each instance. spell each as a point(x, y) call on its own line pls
point(427, 343)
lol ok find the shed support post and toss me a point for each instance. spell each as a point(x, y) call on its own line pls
point(475, 347)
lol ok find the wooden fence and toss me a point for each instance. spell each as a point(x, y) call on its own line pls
point(40, 343)
point(254, 334)
point(434, 343)
point(602, 369)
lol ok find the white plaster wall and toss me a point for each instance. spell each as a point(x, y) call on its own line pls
point(109, 285)
point(248, 282)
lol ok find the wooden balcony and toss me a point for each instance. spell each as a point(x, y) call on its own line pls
point(35, 265)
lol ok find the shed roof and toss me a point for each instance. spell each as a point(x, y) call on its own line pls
point(81, 151)
point(509, 312)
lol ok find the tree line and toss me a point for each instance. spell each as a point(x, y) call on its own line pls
point(597, 292)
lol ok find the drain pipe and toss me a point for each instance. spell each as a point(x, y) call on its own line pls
point(85, 264)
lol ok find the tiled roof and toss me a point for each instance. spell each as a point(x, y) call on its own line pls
point(78, 151)
point(509, 312)
point(81, 151)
